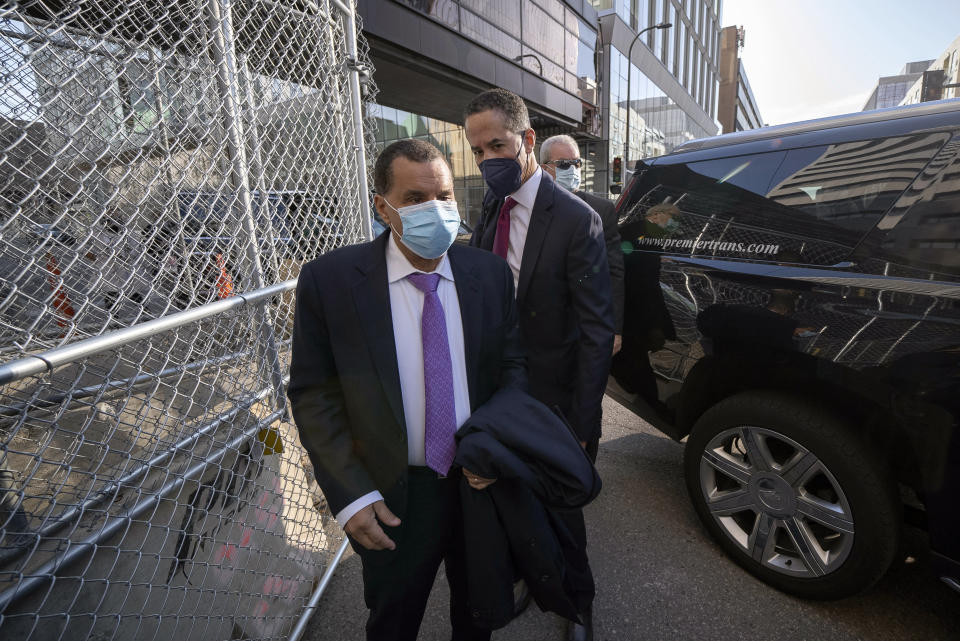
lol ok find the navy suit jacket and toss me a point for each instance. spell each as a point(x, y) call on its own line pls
point(564, 303)
point(344, 382)
point(538, 465)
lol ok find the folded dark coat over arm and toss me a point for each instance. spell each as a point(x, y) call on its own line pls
point(539, 464)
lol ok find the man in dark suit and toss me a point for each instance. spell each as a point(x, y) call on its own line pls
point(560, 157)
point(554, 245)
point(395, 343)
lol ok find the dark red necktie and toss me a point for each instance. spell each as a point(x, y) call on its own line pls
point(501, 241)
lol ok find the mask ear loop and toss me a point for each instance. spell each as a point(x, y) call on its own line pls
point(522, 143)
point(398, 214)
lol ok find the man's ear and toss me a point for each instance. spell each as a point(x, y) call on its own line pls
point(530, 140)
point(380, 203)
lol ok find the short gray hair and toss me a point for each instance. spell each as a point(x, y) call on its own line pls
point(548, 144)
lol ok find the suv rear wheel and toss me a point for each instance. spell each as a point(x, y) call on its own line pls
point(792, 494)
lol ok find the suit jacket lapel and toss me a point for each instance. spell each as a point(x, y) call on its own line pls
point(371, 296)
point(491, 210)
point(539, 224)
point(470, 296)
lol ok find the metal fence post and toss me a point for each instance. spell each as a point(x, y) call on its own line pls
point(228, 82)
point(356, 99)
point(256, 162)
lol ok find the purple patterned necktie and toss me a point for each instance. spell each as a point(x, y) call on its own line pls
point(440, 416)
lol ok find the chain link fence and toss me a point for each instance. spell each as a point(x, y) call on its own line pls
point(166, 167)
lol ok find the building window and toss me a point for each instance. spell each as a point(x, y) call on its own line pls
point(681, 62)
point(546, 29)
point(657, 123)
point(655, 36)
point(504, 14)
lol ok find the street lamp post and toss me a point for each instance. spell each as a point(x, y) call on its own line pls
point(626, 139)
point(535, 57)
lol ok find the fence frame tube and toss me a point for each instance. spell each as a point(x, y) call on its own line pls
point(51, 359)
point(311, 606)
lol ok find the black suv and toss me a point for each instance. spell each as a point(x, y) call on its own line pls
point(793, 309)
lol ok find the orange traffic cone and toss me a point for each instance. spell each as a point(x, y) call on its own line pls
point(61, 303)
point(224, 282)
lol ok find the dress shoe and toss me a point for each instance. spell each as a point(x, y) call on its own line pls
point(581, 632)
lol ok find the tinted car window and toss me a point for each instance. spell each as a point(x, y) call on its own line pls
point(850, 185)
point(928, 235)
point(809, 205)
point(752, 173)
point(712, 216)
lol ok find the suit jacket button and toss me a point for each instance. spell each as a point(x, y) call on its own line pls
point(532, 543)
point(402, 483)
point(544, 578)
point(476, 614)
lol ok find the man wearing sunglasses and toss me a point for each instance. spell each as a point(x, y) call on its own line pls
point(560, 157)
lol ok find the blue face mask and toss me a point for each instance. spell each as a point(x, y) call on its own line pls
point(429, 228)
point(502, 175)
point(569, 178)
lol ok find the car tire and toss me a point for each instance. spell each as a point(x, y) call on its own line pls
point(793, 494)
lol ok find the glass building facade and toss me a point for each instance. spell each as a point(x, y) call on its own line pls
point(539, 35)
point(657, 123)
point(396, 124)
point(674, 99)
point(547, 33)
point(689, 49)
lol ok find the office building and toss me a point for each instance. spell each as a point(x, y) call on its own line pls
point(673, 79)
point(940, 80)
point(890, 90)
point(736, 106)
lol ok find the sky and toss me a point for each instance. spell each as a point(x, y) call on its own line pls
point(812, 58)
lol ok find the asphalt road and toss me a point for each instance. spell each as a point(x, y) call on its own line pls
point(660, 577)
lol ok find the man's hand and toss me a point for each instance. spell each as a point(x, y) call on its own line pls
point(617, 343)
point(477, 482)
point(363, 526)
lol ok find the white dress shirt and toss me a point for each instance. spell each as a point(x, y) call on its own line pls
point(406, 309)
point(520, 221)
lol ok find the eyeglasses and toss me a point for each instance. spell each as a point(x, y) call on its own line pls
point(566, 164)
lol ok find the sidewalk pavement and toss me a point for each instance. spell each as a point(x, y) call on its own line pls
point(660, 577)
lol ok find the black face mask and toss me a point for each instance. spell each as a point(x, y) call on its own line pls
point(503, 175)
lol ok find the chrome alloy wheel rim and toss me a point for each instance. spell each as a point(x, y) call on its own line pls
point(777, 501)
